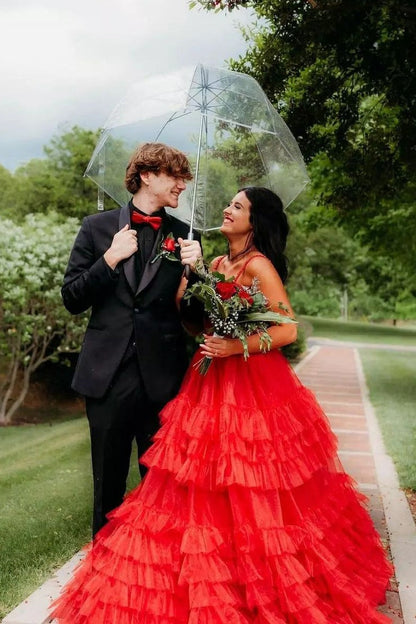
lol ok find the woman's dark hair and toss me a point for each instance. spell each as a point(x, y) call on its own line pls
point(270, 226)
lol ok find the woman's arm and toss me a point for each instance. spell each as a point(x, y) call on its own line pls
point(271, 286)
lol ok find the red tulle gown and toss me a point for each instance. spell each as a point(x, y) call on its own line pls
point(245, 516)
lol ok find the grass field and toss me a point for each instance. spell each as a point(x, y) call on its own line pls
point(391, 378)
point(359, 332)
point(45, 503)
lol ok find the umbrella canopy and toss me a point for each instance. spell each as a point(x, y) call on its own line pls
point(222, 120)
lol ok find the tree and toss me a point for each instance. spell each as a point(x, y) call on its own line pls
point(55, 182)
point(6, 185)
point(35, 326)
point(31, 190)
point(343, 74)
point(68, 155)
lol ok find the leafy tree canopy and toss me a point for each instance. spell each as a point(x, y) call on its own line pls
point(34, 327)
point(343, 74)
point(55, 182)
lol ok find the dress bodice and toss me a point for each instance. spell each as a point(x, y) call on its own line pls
point(243, 268)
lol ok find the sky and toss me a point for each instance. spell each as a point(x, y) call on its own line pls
point(68, 62)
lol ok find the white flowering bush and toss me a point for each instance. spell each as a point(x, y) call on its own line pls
point(34, 325)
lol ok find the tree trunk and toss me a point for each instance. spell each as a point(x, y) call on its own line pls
point(37, 357)
point(37, 350)
point(10, 384)
point(20, 397)
point(5, 381)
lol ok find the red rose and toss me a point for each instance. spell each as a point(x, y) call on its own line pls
point(169, 244)
point(226, 289)
point(244, 295)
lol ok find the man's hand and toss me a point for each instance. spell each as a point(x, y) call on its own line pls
point(190, 251)
point(123, 246)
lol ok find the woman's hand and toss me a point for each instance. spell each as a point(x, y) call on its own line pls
point(217, 346)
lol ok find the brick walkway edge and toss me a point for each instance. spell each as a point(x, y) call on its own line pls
point(335, 375)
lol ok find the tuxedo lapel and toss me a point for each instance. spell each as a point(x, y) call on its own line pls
point(129, 266)
point(151, 268)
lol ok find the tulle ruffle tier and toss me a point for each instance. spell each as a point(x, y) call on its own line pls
point(244, 517)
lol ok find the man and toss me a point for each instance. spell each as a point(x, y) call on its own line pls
point(133, 356)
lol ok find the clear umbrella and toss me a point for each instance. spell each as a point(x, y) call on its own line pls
point(225, 124)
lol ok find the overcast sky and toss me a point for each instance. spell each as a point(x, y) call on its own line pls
point(67, 62)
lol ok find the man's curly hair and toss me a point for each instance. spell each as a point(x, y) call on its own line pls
point(156, 157)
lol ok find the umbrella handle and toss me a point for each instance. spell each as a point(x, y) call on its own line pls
point(187, 267)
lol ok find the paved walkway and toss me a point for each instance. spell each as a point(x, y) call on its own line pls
point(334, 374)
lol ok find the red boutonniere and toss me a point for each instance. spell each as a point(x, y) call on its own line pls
point(167, 249)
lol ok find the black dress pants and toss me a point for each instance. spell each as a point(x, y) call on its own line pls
point(122, 415)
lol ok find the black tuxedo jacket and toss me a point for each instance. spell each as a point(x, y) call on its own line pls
point(122, 307)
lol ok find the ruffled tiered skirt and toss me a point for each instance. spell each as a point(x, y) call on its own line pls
point(245, 516)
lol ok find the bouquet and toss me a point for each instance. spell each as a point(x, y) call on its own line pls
point(234, 311)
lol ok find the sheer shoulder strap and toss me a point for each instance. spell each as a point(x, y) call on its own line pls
point(243, 268)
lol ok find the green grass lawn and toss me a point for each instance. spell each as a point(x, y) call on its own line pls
point(45, 503)
point(391, 381)
point(359, 332)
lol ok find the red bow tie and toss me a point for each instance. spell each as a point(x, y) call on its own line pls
point(155, 222)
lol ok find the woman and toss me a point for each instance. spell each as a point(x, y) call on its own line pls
point(245, 515)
